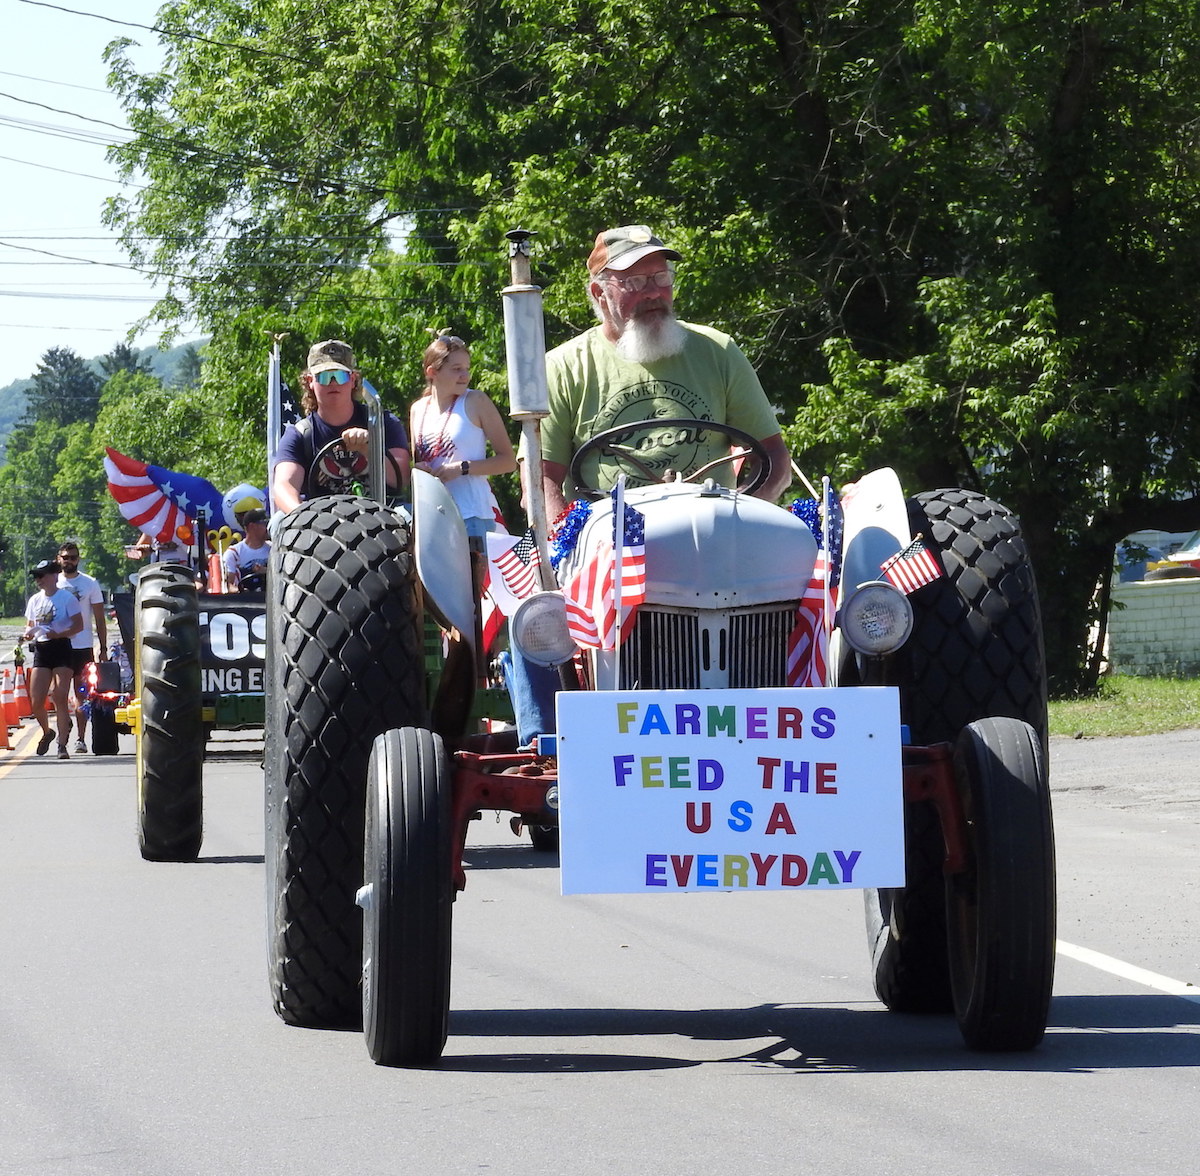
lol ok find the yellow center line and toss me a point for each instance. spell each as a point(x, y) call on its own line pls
point(23, 740)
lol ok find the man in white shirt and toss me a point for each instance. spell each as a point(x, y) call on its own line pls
point(91, 606)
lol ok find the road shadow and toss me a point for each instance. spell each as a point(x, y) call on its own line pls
point(1086, 1034)
point(518, 856)
point(247, 859)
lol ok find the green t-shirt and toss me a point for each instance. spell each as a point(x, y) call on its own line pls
point(592, 388)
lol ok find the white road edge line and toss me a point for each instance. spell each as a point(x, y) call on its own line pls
point(1116, 967)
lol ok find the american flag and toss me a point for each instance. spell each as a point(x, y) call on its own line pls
point(591, 591)
point(289, 411)
point(518, 566)
point(281, 410)
point(492, 614)
point(912, 568)
point(808, 642)
point(157, 500)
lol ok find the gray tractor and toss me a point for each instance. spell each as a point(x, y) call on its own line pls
point(373, 776)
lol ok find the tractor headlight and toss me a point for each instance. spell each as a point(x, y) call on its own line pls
point(539, 629)
point(876, 619)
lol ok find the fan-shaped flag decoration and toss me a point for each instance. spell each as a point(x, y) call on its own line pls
point(159, 501)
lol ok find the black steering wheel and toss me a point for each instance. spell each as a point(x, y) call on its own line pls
point(607, 444)
point(344, 478)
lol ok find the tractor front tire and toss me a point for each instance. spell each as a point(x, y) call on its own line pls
point(170, 739)
point(344, 664)
point(975, 652)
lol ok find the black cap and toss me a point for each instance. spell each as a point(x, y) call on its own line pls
point(45, 568)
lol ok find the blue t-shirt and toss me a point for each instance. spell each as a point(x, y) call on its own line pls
point(341, 467)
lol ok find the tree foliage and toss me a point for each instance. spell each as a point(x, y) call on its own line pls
point(123, 358)
point(959, 240)
point(65, 390)
point(53, 486)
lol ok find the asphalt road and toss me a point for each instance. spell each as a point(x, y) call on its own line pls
point(589, 1035)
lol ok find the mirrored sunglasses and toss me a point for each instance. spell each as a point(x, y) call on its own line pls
point(333, 376)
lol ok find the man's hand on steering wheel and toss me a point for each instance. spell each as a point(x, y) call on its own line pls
point(759, 462)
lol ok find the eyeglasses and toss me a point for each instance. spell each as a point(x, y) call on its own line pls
point(333, 376)
point(68, 559)
point(663, 279)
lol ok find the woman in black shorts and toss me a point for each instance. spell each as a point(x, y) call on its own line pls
point(52, 618)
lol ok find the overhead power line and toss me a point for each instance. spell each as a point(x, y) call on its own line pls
point(52, 82)
point(171, 32)
point(62, 171)
point(58, 110)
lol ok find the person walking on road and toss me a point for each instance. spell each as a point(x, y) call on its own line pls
point(52, 618)
point(91, 605)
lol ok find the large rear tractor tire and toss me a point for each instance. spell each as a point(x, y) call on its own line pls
point(1001, 910)
point(975, 652)
point(344, 664)
point(170, 739)
point(407, 900)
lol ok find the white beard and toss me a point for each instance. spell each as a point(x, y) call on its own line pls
point(647, 340)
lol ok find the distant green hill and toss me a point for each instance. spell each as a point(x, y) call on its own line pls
point(164, 364)
point(12, 405)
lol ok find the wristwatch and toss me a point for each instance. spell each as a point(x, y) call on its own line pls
point(465, 468)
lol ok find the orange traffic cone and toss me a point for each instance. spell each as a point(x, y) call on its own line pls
point(12, 716)
point(24, 702)
point(9, 705)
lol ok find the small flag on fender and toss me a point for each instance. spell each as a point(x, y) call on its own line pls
point(912, 568)
point(518, 566)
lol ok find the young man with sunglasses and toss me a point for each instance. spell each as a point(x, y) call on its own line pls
point(90, 598)
point(642, 363)
point(335, 412)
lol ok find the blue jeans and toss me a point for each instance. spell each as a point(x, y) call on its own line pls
point(532, 689)
point(477, 528)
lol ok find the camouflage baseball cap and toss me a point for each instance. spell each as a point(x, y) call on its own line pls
point(333, 353)
point(618, 249)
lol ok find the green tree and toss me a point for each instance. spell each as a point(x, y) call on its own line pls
point(190, 368)
point(29, 506)
point(960, 241)
point(64, 390)
point(123, 358)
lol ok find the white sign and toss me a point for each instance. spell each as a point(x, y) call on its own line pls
point(706, 790)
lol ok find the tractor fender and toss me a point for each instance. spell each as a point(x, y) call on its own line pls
point(443, 556)
point(875, 522)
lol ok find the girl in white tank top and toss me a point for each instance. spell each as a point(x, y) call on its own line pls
point(451, 427)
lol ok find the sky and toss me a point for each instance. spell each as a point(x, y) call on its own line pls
point(53, 292)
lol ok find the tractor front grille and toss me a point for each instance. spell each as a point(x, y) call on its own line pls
point(694, 649)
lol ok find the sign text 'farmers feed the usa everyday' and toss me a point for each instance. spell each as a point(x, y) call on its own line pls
point(675, 790)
